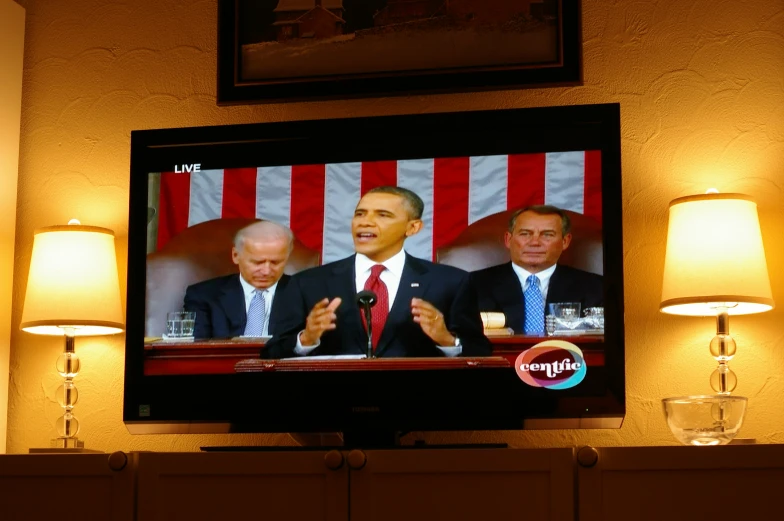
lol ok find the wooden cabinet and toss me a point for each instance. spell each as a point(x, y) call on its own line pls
point(739, 482)
point(463, 485)
point(604, 484)
point(377, 485)
point(66, 487)
point(290, 485)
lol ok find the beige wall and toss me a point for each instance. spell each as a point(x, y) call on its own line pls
point(12, 18)
point(702, 99)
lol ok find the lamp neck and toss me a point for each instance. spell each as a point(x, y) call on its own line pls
point(722, 321)
point(722, 347)
point(70, 339)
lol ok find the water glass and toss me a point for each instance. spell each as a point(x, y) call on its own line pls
point(595, 316)
point(549, 325)
point(567, 314)
point(179, 324)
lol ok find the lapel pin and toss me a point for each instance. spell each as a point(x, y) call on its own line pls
point(415, 284)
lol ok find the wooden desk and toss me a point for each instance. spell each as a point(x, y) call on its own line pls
point(221, 356)
point(510, 347)
point(202, 357)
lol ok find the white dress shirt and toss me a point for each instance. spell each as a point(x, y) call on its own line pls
point(269, 294)
point(390, 276)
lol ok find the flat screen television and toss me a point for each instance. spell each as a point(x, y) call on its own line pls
point(191, 188)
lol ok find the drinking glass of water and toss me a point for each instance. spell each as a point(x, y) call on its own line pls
point(179, 325)
point(595, 317)
point(566, 315)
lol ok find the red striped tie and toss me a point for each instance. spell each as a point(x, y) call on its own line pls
point(379, 312)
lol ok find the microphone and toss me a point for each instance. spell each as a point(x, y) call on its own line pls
point(366, 299)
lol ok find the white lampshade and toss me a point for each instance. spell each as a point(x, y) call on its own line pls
point(715, 257)
point(73, 282)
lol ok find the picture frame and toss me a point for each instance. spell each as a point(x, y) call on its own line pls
point(273, 51)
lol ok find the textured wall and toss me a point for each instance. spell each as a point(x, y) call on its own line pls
point(702, 97)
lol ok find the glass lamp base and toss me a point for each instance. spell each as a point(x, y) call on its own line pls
point(64, 445)
point(67, 443)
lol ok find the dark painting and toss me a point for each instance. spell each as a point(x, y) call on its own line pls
point(286, 49)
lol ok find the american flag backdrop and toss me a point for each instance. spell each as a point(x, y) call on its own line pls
point(317, 201)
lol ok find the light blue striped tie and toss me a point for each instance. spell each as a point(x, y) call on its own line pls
point(257, 314)
point(534, 307)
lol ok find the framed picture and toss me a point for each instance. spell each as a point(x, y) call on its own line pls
point(288, 50)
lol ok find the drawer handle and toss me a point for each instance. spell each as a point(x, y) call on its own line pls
point(333, 459)
point(118, 460)
point(587, 457)
point(356, 459)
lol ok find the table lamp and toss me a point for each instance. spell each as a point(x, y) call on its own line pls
point(72, 290)
point(715, 266)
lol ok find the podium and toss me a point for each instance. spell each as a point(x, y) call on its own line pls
point(365, 364)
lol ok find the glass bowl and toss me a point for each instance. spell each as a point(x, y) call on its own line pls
point(705, 420)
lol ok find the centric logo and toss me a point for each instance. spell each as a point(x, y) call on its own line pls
point(552, 364)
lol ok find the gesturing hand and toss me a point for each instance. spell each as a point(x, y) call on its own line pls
point(321, 318)
point(431, 320)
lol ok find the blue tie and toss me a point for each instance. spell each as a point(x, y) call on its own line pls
point(534, 307)
point(257, 314)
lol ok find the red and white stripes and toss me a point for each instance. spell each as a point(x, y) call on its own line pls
point(317, 201)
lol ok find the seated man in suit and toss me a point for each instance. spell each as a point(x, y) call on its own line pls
point(244, 304)
point(523, 288)
point(423, 309)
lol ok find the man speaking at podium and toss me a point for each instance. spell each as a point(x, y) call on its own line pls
point(422, 310)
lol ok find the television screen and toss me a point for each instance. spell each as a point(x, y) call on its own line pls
point(194, 363)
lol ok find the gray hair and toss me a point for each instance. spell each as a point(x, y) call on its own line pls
point(414, 204)
point(543, 209)
point(264, 231)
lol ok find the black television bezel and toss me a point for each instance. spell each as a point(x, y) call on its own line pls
point(377, 401)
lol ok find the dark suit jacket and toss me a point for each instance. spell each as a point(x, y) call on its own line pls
point(499, 289)
point(449, 289)
point(219, 304)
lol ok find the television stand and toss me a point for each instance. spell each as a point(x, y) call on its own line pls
point(349, 440)
point(371, 439)
point(390, 439)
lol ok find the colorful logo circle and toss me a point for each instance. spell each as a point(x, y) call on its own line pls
point(552, 364)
